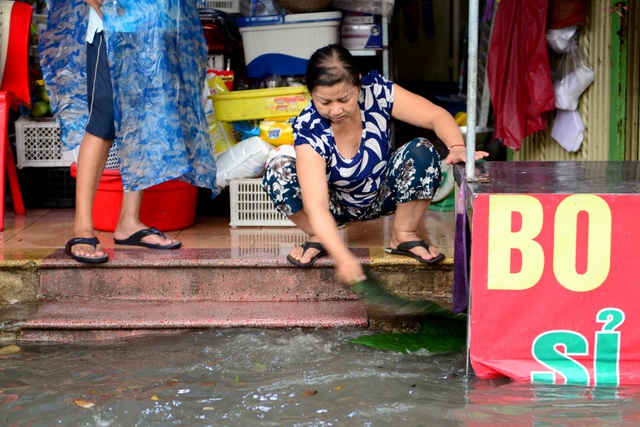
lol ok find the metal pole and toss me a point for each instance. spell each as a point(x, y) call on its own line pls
point(472, 83)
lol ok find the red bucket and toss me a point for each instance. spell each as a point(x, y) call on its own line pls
point(167, 206)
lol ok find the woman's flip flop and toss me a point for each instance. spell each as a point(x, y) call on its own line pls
point(403, 249)
point(306, 246)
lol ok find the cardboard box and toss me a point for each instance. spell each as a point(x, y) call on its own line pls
point(361, 31)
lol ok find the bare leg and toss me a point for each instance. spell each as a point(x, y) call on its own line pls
point(92, 159)
point(406, 227)
point(301, 220)
point(129, 220)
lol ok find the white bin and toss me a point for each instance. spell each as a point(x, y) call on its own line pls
point(251, 206)
point(284, 49)
point(38, 143)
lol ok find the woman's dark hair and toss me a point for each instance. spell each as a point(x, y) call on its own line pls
point(330, 65)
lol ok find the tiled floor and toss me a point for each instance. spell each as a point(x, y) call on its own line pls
point(51, 228)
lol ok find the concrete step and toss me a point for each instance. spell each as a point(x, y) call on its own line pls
point(142, 291)
point(82, 319)
point(191, 274)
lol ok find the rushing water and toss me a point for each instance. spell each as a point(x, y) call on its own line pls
point(256, 377)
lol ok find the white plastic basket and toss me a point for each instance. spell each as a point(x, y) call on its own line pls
point(228, 6)
point(38, 143)
point(113, 161)
point(251, 207)
point(247, 242)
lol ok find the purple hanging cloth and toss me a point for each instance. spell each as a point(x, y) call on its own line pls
point(462, 246)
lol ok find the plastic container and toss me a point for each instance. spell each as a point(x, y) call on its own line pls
point(258, 104)
point(444, 199)
point(284, 49)
point(38, 143)
point(250, 21)
point(251, 207)
point(482, 133)
point(245, 242)
point(167, 206)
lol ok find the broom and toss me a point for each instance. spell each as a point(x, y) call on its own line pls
point(372, 291)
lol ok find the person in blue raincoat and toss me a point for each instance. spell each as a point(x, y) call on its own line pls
point(129, 71)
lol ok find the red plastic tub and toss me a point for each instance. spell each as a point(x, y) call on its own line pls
point(167, 206)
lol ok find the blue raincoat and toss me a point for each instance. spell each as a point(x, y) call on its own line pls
point(157, 55)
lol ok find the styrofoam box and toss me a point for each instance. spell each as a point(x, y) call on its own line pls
point(38, 143)
point(284, 49)
point(251, 207)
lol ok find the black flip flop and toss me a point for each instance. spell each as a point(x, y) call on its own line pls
point(93, 241)
point(136, 240)
point(306, 246)
point(403, 249)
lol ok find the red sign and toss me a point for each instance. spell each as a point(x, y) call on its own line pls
point(555, 288)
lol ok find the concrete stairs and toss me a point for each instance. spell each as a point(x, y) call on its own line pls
point(52, 298)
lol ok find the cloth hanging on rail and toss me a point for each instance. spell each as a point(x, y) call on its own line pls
point(518, 70)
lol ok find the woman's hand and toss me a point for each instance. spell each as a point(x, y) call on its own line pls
point(350, 271)
point(459, 154)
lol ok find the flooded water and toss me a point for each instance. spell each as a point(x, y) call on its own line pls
point(253, 377)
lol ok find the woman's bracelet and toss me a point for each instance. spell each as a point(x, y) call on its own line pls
point(456, 145)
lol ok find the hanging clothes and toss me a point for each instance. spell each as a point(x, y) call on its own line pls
point(518, 70)
point(157, 56)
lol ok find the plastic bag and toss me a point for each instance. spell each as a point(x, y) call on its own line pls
point(571, 78)
point(246, 159)
point(281, 150)
point(518, 71)
point(277, 131)
point(568, 130)
point(560, 40)
point(221, 134)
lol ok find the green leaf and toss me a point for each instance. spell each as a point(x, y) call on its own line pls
point(437, 335)
point(411, 342)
